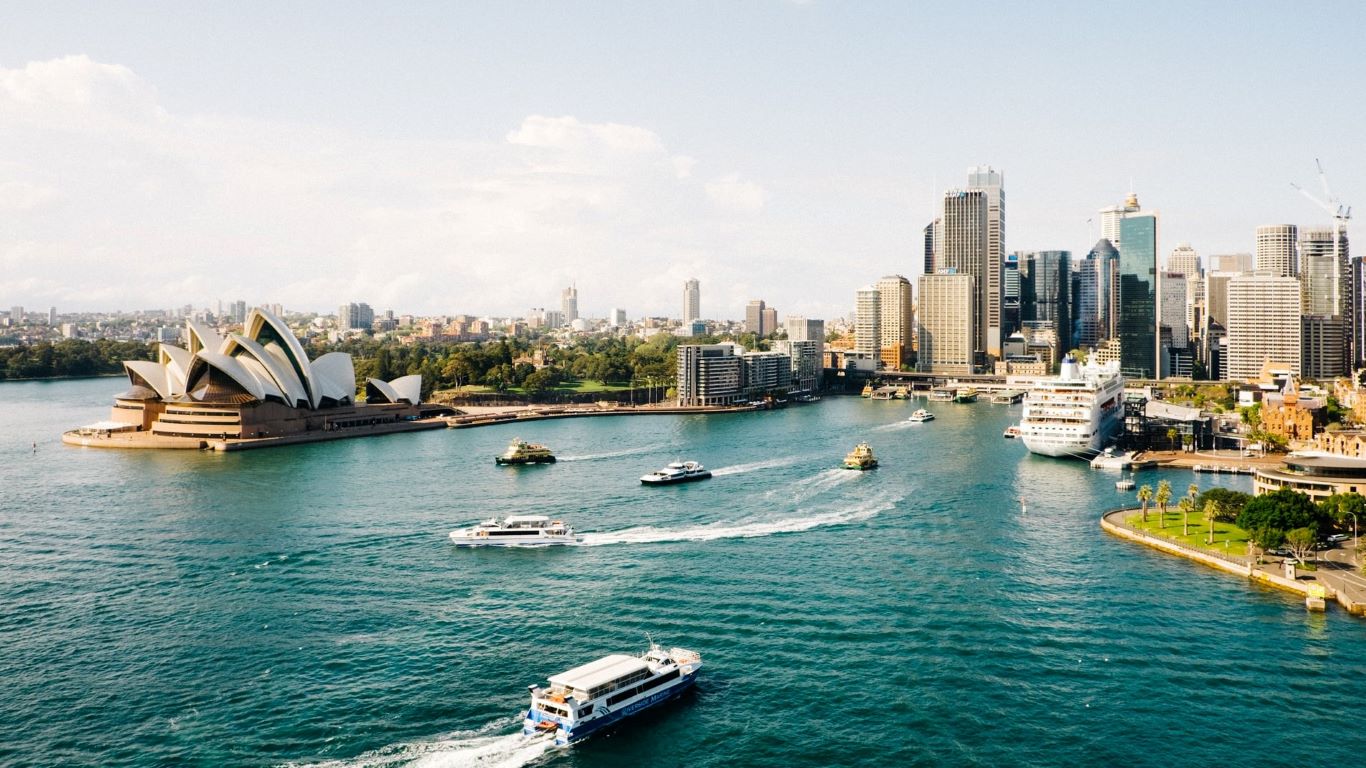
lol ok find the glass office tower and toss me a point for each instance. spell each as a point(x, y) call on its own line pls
point(1138, 296)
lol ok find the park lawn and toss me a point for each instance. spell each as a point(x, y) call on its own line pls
point(1170, 527)
point(574, 387)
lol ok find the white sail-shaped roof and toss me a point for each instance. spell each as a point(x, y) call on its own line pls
point(258, 371)
point(280, 372)
point(261, 323)
point(408, 388)
point(230, 367)
point(151, 373)
point(176, 361)
point(336, 376)
point(378, 390)
point(203, 337)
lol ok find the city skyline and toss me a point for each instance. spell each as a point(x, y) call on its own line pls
point(138, 172)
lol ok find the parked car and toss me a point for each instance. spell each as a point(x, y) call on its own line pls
point(1279, 552)
point(1337, 538)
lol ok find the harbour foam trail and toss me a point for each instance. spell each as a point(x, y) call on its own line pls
point(815, 484)
point(740, 530)
point(477, 749)
point(615, 454)
point(739, 469)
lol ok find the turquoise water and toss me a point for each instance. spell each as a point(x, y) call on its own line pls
point(302, 605)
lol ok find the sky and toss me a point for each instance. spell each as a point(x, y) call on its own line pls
point(479, 157)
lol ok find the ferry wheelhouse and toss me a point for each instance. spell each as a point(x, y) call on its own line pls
point(588, 698)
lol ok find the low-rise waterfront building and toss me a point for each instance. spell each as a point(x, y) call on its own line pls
point(1318, 475)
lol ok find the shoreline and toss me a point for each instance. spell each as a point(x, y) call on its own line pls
point(1316, 590)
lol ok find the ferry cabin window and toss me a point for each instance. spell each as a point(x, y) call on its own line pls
point(553, 709)
point(642, 688)
point(620, 682)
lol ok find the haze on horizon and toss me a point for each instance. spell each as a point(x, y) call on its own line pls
point(479, 159)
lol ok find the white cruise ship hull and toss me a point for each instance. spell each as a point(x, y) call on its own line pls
point(1060, 447)
point(1074, 414)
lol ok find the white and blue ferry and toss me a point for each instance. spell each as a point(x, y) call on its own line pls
point(588, 698)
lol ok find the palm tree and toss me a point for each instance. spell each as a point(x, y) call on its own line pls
point(1185, 506)
point(1192, 490)
point(1211, 512)
point(1145, 495)
point(1164, 495)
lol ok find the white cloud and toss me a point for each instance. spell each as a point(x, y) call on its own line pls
point(730, 193)
point(122, 204)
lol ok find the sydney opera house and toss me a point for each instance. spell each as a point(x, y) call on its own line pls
point(253, 386)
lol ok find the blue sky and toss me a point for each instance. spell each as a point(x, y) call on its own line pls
point(476, 158)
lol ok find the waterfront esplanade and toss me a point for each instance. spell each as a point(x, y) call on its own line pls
point(1319, 475)
point(255, 384)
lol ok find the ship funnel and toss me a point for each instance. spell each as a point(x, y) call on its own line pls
point(1070, 370)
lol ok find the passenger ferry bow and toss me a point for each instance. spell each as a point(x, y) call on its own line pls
point(588, 698)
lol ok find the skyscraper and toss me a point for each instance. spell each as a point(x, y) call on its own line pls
point(692, 301)
point(1110, 217)
point(1263, 324)
point(1045, 294)
point(618, 318)
point(569, 304)
point(801, 329)
point(754, 318)
point(896, 321)
point(992, 184)
point(1276, 250)
point(964, 251)
point(1184, 261)
point(769, 317)
point(868, 320)
point(1173, 329)
point(1138, 297)
point(945, 323)
point(1231, 262)
point(934, 238)
point(1326, 299)
point(1010, 294)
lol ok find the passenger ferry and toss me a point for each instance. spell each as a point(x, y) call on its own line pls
point(1075, 412)
point(965, 395)
point(590, 697)
point(677, 472)
point(521, 452)
point(920, 416)
point(943, 394)
point(515, 531)
point(861, 458)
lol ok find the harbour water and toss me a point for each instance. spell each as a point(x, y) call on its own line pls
point(959, 605)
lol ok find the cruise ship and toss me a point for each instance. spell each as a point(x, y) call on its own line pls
point(1075, 412)
point(588, 698)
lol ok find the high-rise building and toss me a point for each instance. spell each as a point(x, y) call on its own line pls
point(1087, 330)
point(801, 329)
point(934, 240)
point(52, 317)
point(1175, 332)
point(1263, 324)
point(618, 318)
point(1010, 295)
point(770, 319)
point(16, 315)
point(1110, 217)
point(239, 311)
point(1231, 262)
point(896, 322)
point(868, 320)
point(944, 323)
point(1183, 260)
point(569, 304)
point(710, 374)
point(355, 316)
point(1276, 250)
point(755, 316)
point(1216, 296)
point(965, 252)
point(1139, 350)
point(692, 301)
point(1045, 293)
point(992, 183)
point(1327, 301)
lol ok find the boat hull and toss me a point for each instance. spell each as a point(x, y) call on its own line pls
point(1060, 448)
point(460, 540)
point(676, 480)
point(584, 729)
point(861, 467)
point(513, 462)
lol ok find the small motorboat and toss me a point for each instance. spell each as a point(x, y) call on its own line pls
point(920, 416)
point(676, 472)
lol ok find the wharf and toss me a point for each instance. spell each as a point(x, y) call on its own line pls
point(137, 440)
point(519, 414)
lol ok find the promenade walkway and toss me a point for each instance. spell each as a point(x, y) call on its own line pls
point(1337, 576)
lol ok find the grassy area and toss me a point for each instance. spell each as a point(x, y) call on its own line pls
point(1169, 525)
point(568, 387)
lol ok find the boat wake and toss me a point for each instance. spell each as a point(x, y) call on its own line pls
point(614, 454)
point(894, 425)
point(740, 530)
point(814, 485)
point(477, 749)
point(739, 469)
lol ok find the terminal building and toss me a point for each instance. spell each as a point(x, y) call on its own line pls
point(255, 384)
point(1319, 475)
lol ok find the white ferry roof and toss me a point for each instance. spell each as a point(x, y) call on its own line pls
point(595, 673)
point(526, 519)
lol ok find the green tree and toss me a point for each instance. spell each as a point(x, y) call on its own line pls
point(1300, 541)
point(1230, 503)
point(1145, 495)
point(1185, 506)
point(1340, 508)
point(1211, 514)
point(1164, 495)
point(1280, 511)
